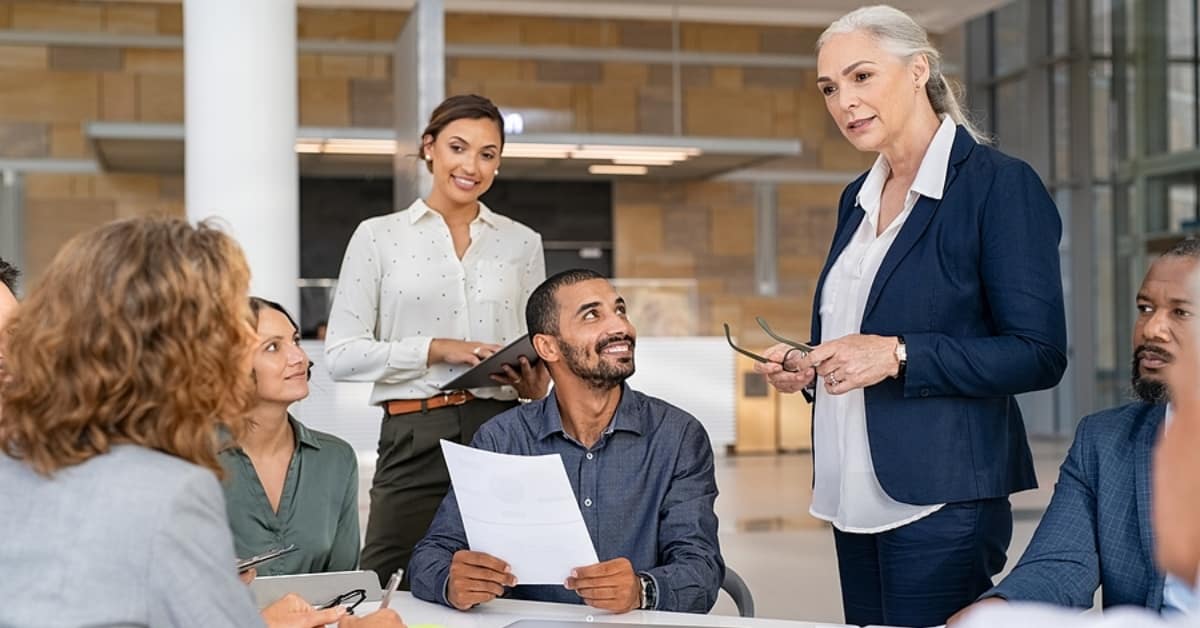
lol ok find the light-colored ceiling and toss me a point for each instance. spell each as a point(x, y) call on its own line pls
point(936, 15)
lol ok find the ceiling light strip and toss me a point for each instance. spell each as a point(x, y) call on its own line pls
point(619, 170)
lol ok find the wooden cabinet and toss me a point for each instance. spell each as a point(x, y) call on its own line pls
point(769, 422)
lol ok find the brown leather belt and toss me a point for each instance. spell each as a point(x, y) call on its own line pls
point(407, 406)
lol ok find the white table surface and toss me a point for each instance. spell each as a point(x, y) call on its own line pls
point(500, 613)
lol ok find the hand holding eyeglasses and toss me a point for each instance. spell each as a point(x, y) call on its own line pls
point(348, 601)
point(783, 364)
point(786, 370)
point(854, 361)
point(291, 611)
point(845, 364)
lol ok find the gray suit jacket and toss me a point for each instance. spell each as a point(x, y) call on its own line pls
point(133, 537)
point(1096, 531)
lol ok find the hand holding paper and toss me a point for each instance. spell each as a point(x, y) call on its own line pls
point(520, 509)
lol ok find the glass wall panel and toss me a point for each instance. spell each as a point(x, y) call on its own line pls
point(1109, 377)
point(1181, 200)
point(1011, 118)
point(1170, 204)
point(1012, 24)
point(1181, 106)
point(1102, 27)
point(1061, 128)
point(1181, 28)
point(1060, 40)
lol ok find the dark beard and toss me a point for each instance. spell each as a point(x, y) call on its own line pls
point(1148, 390)
point(602, 376)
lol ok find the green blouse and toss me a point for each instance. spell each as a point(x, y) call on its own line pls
point(318, 510)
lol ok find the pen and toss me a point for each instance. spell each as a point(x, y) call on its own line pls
point(391, 587)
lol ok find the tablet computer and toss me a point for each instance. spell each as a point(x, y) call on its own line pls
point(479, 376)
point(315, 588)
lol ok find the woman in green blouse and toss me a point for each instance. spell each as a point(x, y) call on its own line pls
point(285, 483)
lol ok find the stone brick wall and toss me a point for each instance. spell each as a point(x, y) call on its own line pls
point(705, 230)
point(58, 206)
point(663, 230)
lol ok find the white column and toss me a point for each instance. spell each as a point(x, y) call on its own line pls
point(419, 85)
point(240, 119)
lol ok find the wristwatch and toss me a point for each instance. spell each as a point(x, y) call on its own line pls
point(901, 356)
point(649, 593)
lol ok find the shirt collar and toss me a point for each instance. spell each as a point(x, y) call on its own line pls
point(304, 436)
point(629, 416)
point(419, 209)
point(931, 175)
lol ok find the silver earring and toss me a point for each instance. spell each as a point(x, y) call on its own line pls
point(428, 158)
point(497, 171)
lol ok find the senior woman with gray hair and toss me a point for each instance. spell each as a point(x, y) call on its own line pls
point(939, 302)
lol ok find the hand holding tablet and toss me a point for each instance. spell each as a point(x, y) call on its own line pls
point(480, 376)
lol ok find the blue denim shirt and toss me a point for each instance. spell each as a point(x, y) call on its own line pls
point(646, 490)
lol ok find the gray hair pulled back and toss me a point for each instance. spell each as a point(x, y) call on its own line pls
point(900, 35)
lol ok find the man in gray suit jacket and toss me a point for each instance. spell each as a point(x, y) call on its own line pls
point(1096, 530)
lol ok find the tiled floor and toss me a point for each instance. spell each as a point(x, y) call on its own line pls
point(786, 556)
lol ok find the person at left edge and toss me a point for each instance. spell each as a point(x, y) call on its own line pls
point(424, 294)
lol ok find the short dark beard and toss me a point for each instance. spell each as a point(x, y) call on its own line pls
point(603, 376)
point(1148, 390)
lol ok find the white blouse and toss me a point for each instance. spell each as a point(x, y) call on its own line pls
point(402, 285)
point(846, 491)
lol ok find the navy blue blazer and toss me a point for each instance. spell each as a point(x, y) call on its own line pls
point(972, 284)
point(1096, 531)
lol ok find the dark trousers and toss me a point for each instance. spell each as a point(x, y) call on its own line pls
point(411, 479)
point(922, 573)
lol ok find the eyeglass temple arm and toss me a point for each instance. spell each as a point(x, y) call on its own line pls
point(791, 343)
point(752, 356)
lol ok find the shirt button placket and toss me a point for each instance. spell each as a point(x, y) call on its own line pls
point(589, 487)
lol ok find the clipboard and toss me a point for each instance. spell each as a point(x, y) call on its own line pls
point(479, 376)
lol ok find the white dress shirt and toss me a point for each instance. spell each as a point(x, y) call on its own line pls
point(402, 285)
point(1027, 615)
point(846, 491)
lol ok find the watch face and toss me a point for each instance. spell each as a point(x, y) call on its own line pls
point(649, 593)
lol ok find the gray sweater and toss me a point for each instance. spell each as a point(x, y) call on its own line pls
point(133, 537)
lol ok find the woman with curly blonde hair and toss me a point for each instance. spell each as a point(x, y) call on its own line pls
point(121, 364)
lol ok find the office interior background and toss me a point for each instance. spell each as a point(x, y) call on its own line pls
point(726, 214)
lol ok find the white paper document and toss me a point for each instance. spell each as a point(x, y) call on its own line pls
point(520, 509)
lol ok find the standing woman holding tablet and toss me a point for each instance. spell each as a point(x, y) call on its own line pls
point(425, 294)
point(940, 301)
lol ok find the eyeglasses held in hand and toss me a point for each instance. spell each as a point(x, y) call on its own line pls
point(800, 347)
point(350, 599)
